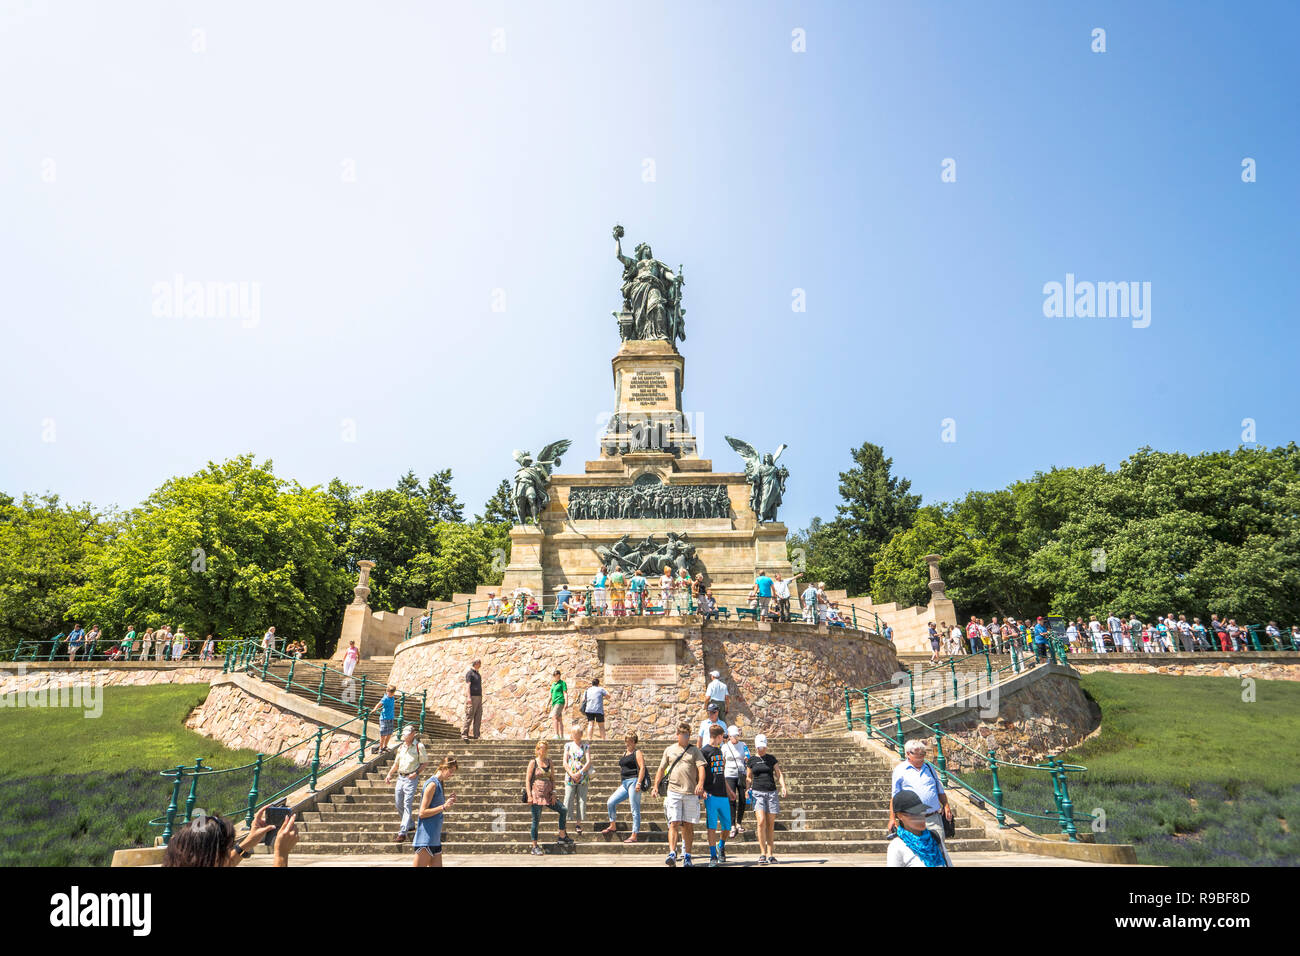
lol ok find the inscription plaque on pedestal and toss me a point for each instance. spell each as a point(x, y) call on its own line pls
point(636, 663)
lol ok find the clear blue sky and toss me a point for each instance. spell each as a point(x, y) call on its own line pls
point(126, 157)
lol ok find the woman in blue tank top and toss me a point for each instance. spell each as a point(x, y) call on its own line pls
point(428, 828)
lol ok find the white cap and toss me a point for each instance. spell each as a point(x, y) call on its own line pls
point(409, 729)
point(714, 674)
point(760, 740)
point(733, 731)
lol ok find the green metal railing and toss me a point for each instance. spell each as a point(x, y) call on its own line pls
point(180, 811)
point(888, 722)
point(354, 692)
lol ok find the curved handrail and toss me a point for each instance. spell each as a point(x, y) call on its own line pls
point(1058, 769)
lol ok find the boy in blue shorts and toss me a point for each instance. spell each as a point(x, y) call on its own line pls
point(718, 795)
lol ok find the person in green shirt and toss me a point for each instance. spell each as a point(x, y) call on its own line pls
point(128, 642)
point(559, 697)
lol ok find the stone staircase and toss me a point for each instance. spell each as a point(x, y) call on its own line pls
point(838, 803)
point(307, 682)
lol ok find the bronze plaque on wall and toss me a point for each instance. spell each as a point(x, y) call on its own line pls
point(641, 661)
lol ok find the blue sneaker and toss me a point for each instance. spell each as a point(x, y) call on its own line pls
point(686, 860)
point(672, 859)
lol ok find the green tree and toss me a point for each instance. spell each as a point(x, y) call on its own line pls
point(229, 550)
point(46, 551)
point(875, 506)
point(500, 508)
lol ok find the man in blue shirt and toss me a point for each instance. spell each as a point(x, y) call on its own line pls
point(637, 587)
point(1040, 640)
point(561, 600)
point(921, 778)
point(764, 585)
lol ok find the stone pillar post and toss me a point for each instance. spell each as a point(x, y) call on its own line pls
point(362, 590)
point(942, 611)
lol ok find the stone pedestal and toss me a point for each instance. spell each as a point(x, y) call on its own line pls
point(648, 380)
point(525, 569)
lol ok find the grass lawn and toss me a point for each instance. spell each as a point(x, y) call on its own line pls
point(1184, 769)
point(74, 789)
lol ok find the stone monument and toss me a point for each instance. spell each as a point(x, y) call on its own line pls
point(648, 498)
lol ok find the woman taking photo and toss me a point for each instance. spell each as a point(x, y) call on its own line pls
point(539, 784)
point(764, 778)
point(631, 772)
point(428, 827)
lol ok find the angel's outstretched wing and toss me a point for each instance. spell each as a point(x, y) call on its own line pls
point(783, 447)
point(521, 456)
point(745, 450)
point(552, 452)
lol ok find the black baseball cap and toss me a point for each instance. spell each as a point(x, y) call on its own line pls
point(906, 801)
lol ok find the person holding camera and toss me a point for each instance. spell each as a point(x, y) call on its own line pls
point(209, 841)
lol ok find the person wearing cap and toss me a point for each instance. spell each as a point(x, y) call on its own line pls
point(709, 723)
point(683, 765)
point(473, 701)
point(408, 758)
point(763, 777)
point(716, 693)
point(914, 843)
point(916, 774)
point(737, 754)
point(494, 606)
point(1040, 639)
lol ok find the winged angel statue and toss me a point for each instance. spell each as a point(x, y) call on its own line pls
point(766, 479)
point(532, 478)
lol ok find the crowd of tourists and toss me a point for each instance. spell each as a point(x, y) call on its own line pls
point(156, 644)
point(1115, 634)
point(616, 593)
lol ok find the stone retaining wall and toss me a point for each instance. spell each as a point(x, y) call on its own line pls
point(243, 713)
point(36, 676)
point(1038, 714)
point(1260, 670)
point(785, 679)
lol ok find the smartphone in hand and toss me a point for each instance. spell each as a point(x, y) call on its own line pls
point(275, 817)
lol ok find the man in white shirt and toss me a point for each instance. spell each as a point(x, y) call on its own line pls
point(706, 728)
point(716, 693)
point(810, 604)
point(408, 758)
point(268, 643)
point(781, 591)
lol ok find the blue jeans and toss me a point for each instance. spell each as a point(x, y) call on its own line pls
point(627, 789)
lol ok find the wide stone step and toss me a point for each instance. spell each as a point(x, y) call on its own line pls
point(649, 831)
point(388, 816)
point(787, 849)
point(807, 805)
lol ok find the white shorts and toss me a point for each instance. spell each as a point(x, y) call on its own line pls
point(682, 807)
